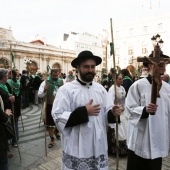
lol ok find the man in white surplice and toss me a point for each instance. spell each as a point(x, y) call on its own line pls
point(81, 109)
point(148, 137)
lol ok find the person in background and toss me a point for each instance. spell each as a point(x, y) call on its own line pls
point(144, 72)
point(64, 75)
point(70, 77)
point(165, 78)
point(97, 79)
point(122, 127)
point(14, 87)
point(104, 81)
point(43, 76)
point(61, 77)
point(111, 77)
point(4, 116)
point(31, 90)
point(127, 79)
point(80, 110)
point(36, 84)
point(48, 90)
point(25, 89)
point(18, 74)
point(7, 98)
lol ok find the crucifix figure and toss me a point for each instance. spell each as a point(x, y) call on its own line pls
point(157, 59)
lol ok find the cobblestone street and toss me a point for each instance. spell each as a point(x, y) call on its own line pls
point(31, 146)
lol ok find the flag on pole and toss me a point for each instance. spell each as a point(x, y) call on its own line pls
point(12, 57)
point(48, 68)
point(4, 63)
point(111, 48)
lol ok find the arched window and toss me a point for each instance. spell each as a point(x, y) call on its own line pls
point(4, 63)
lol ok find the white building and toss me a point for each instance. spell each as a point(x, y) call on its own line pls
point(133, 39)
point(97, 44)
point(37, 51)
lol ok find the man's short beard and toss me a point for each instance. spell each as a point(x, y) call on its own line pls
point(85, 76)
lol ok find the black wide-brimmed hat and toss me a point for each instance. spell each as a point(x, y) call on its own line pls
point(146, 63)
point(84, 55)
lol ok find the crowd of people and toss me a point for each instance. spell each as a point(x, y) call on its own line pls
point(84, 108)
point(19, 91)
point(85, 112)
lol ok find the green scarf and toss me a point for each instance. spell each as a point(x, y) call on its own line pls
point(105, 79)
point(70, 77)
point(15, 86)
point(38, 76)
point(53, 87)
point(127, 77)
point(4, 87)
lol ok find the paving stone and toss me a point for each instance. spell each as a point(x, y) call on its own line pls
point(32, 148)
point(25, 161)
point(15, 167)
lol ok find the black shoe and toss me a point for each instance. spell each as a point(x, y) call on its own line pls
point(51, 144)
point(14, 144)
point(57, 134)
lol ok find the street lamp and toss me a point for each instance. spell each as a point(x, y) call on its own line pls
point(28, 63)
point(157, 44)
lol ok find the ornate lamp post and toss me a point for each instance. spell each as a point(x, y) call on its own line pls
point(28, 64)
point(157, 44)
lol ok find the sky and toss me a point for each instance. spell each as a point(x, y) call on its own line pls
point(51, 18)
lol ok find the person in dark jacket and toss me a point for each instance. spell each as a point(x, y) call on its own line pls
point(104, 81)
point(13, 86)
point(6, 97)
point(36, 84)
point(111, 77)
point(25, 89)
point(3, 138)
point(31, 89)
point(127, 79)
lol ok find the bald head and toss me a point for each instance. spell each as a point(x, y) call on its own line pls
point(165, 78)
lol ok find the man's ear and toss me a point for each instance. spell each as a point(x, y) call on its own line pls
point(149, 66)
point(78, 67)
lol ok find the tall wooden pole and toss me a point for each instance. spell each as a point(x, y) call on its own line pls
point(117, 140)
point(13, 105)
point(12, 61)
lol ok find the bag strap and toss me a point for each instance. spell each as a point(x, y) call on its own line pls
point(2, 103)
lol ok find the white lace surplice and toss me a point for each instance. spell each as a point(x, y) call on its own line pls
point(85, 145)
point(122, 127)
point(149, 138)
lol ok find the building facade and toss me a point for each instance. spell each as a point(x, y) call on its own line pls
point(41, 55)
point(97, 44)
point(133, 39)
